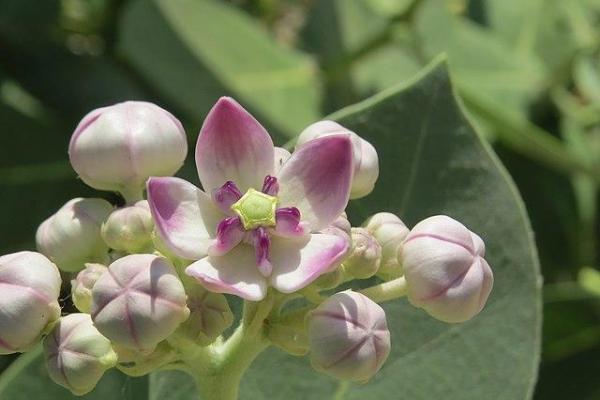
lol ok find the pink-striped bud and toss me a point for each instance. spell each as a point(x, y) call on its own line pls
point(129, 229)
point(71, 237)
point(29, 290)
point(81, 286)
point(366, 161)
point(348, 337)
point(139, 302)
point(77, 355)
point(445, 271)
point(119, 147)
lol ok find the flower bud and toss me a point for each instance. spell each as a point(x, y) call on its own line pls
point(365, 256)
point(29, 290)
point(209, 316)
point(444, 268)
point(139, 302)
point(348, 337)
point(71, 237)
point(390, 232)
point(77, 355)
point(119, 147)
point(366, 162)
point(81, 286)
point(129, 229)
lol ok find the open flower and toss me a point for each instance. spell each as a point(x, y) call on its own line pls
point(253, 226)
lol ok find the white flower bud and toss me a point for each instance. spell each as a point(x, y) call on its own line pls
point(139, 302)
point(71, 237)
point(365, 257)
point(366, 161)
point(348, 337)
point(81, 286)
point(390, 232)
point(129, 229)
point(119, 147)
point(77, 355)
point(444, 268)
point(29, 290)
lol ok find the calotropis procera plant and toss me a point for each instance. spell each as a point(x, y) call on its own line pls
point(153, 278)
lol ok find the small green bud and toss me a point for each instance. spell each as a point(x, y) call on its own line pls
point(390, 232)
point(365, 256)
point(77, 355)
point(81, 286)
point(129, 229)
point(209, 316)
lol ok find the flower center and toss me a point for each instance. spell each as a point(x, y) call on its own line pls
point(256, 209)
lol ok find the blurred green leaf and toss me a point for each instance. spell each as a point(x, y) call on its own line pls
point(480, 61)
point(389, 8)
point(553, 30)
point(38, 53)
point(35, 176)
point(196, 51)
point(586, 74)
point(589, 279)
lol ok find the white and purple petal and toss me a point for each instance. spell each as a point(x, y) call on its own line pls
point(233, 273)
point(184, 215)
point(297, 263)
point(317, 179)
point(233, 146)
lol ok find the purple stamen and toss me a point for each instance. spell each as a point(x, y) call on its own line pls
point(229, 234)
point(226, 196)
point(288, 222)
point(270, 186)
point(262, 243)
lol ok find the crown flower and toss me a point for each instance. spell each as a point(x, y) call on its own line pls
point(252, 227)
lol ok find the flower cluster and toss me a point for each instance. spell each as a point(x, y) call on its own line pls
point(151, 278)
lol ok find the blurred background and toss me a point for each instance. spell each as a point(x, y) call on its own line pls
point(528, 72)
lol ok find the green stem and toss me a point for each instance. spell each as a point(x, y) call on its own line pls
point(386, 291)
point(219, 368)
point(221, 379)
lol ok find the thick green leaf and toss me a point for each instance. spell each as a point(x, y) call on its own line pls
point(432, 161)
point(195, 51)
